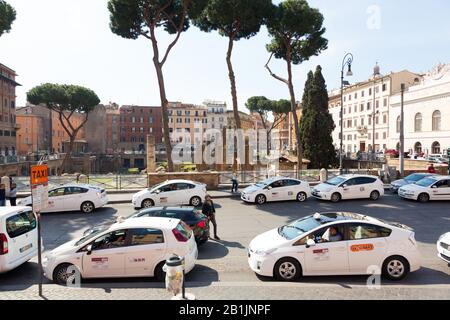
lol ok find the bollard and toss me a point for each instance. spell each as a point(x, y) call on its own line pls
point(323, 175)
point(175, 277)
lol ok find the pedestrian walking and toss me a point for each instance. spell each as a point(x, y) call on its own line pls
point(234, 182)
point(431, 169)
point(2, 195)
point(13, 195)
point(209, 210)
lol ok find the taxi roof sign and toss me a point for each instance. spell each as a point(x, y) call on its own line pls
point(39, 175)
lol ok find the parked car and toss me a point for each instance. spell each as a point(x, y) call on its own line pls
point(349, 186)
point(72, 197)
point(198, 222)
point(412, 178)
point(277, 189)
point(172, 192)
point(443, 247)
point(335, 244)
point(132, 248)
point(430, 188)
point(18, 237)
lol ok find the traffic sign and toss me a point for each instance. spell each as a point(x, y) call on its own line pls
point(39, 187)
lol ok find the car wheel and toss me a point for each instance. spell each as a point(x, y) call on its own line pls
point(395, 268)
point(302, 197)
point(61, 274)
point(287, 269)
point(260, 199)
point(195, 201)
point(87, 207)
point(335, 197)
point(147, 203)
point(160, 275)
point(423, 197)
point(374, 195)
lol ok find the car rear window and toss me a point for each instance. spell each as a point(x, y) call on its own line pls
point(20, 224)
point(184, 229)
point(142, 237)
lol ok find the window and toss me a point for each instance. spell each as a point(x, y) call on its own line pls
point(185, 186)
point(437, 121)
point(418, 122)
point(142, 237)
point(289, 183)
point(370, 91)
point(362, 93)
point(384, 87)
point(367, 231)
point(278, 184)
point(365, 180)
point(384, 102)
point(75, 190)
point(384, 135)
point(20, 224)
point(436, 148)
point(56, 192)
point(384, 118)
point(369, 106)
point(418, 148)
point(442, 184)
point(112, 240)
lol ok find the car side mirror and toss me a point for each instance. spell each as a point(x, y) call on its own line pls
point(89, 250)
point(310, 243)
point(269, 188)
point(434, 187)
point(158, 191)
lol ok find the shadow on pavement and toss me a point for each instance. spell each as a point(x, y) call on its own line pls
point(425, 276)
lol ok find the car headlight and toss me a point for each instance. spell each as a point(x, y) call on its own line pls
point(265, 252)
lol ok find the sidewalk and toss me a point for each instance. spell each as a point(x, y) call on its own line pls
point(125, 196)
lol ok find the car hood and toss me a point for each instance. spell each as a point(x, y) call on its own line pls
point(400, 182)
point(446, 238)
point(412, 187)
point(142, 193)
point(65, 248)
point(324, 187)
point(268, 240)
point(26, 200)
point(251, 189)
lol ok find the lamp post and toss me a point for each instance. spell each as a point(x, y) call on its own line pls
point(376, 73)
point(346, 62)
point(402, 132)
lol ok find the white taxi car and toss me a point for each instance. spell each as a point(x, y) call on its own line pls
point(72, 197)
point(443, 247)
point(430, 188)
point(349, 186)
point(172, 192)
point(132, 248)
point(277, 189)
point(335, 244)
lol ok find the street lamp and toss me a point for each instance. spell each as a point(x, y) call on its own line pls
point(402, 132)
point(346, 62)
point(376, 73)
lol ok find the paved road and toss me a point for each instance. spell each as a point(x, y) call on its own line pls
point(222, 271)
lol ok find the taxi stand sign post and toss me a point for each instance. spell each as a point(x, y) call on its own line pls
point(448, 157)
point(39, 195)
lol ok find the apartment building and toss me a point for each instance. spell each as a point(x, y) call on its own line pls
point(216, 114)
point(366, 107)
point(426, 114)
point(187, 120)
point(132, 124)
point(8, 126)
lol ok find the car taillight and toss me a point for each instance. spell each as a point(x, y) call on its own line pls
point(3, 244)
point(201, 224)
point(179, 236)
point(412, 239)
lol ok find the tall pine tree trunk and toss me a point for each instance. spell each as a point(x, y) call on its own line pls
point(164, 103)
point(294, 114)
point(237, 118)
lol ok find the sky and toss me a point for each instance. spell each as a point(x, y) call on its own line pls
point(69, 41)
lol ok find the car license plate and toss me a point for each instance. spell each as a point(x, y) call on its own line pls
point(27, 247)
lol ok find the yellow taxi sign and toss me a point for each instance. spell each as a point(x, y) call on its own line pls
point(39, 175)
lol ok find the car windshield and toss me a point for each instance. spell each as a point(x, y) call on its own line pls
point(426, 182)
point(299, 227)
point(415, 177)
point(335, 181)
point(264, 183)
point(157, 186)
point(95, 232)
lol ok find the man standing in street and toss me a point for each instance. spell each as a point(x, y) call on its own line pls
point(234, 182)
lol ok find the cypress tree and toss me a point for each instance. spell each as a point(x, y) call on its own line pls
point(317, 123)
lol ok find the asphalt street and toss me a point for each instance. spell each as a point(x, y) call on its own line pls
point(222, 271)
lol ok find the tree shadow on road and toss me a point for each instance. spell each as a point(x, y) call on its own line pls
point(425, 276)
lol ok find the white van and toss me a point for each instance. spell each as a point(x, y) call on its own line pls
point(18, 237)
